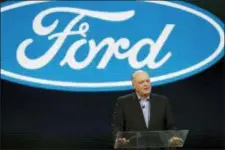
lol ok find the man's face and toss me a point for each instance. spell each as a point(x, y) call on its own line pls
point(141, 83)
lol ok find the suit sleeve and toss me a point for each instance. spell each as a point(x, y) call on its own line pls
point(170, 119)
point(118, 118)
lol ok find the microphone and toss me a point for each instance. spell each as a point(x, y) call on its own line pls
point(143, 106)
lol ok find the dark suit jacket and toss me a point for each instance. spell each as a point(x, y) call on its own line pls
point(128, 115)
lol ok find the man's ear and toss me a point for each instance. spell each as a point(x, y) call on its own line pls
point(134, 86)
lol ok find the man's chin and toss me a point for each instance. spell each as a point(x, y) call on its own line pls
point(147, 93)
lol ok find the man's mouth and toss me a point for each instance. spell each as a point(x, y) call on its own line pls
point(146, 88)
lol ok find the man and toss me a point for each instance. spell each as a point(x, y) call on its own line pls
point(142, 110)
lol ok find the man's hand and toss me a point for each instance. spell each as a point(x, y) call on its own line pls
point(176, 141)
point(122, 140)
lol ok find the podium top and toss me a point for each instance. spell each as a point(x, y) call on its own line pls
point(150, 139)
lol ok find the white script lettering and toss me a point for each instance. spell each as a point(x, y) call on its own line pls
point(113, 47)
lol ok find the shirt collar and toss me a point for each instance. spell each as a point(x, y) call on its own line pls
point(139, 97)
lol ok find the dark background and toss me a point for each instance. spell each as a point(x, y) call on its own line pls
point(40, 118)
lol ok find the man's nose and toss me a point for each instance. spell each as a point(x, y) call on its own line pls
point(146, 84)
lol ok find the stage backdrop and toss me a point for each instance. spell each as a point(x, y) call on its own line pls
point(54, 96)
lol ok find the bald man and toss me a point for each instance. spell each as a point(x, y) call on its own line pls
point(142, 110)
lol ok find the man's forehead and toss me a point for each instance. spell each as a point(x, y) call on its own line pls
point(141, 76)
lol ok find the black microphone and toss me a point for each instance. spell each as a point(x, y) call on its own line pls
point(143, 106)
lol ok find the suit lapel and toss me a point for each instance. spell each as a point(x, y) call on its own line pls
point(137, 108)
point(153, 109)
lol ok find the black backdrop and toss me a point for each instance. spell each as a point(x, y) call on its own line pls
point(40, 118)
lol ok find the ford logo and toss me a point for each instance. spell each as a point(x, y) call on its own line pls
point(96, 46)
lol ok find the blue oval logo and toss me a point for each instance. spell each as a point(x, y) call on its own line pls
point(86, 46)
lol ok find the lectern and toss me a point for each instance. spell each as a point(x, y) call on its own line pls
point(150, 139)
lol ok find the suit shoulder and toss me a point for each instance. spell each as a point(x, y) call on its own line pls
point(159, 97)
point(127, 96)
